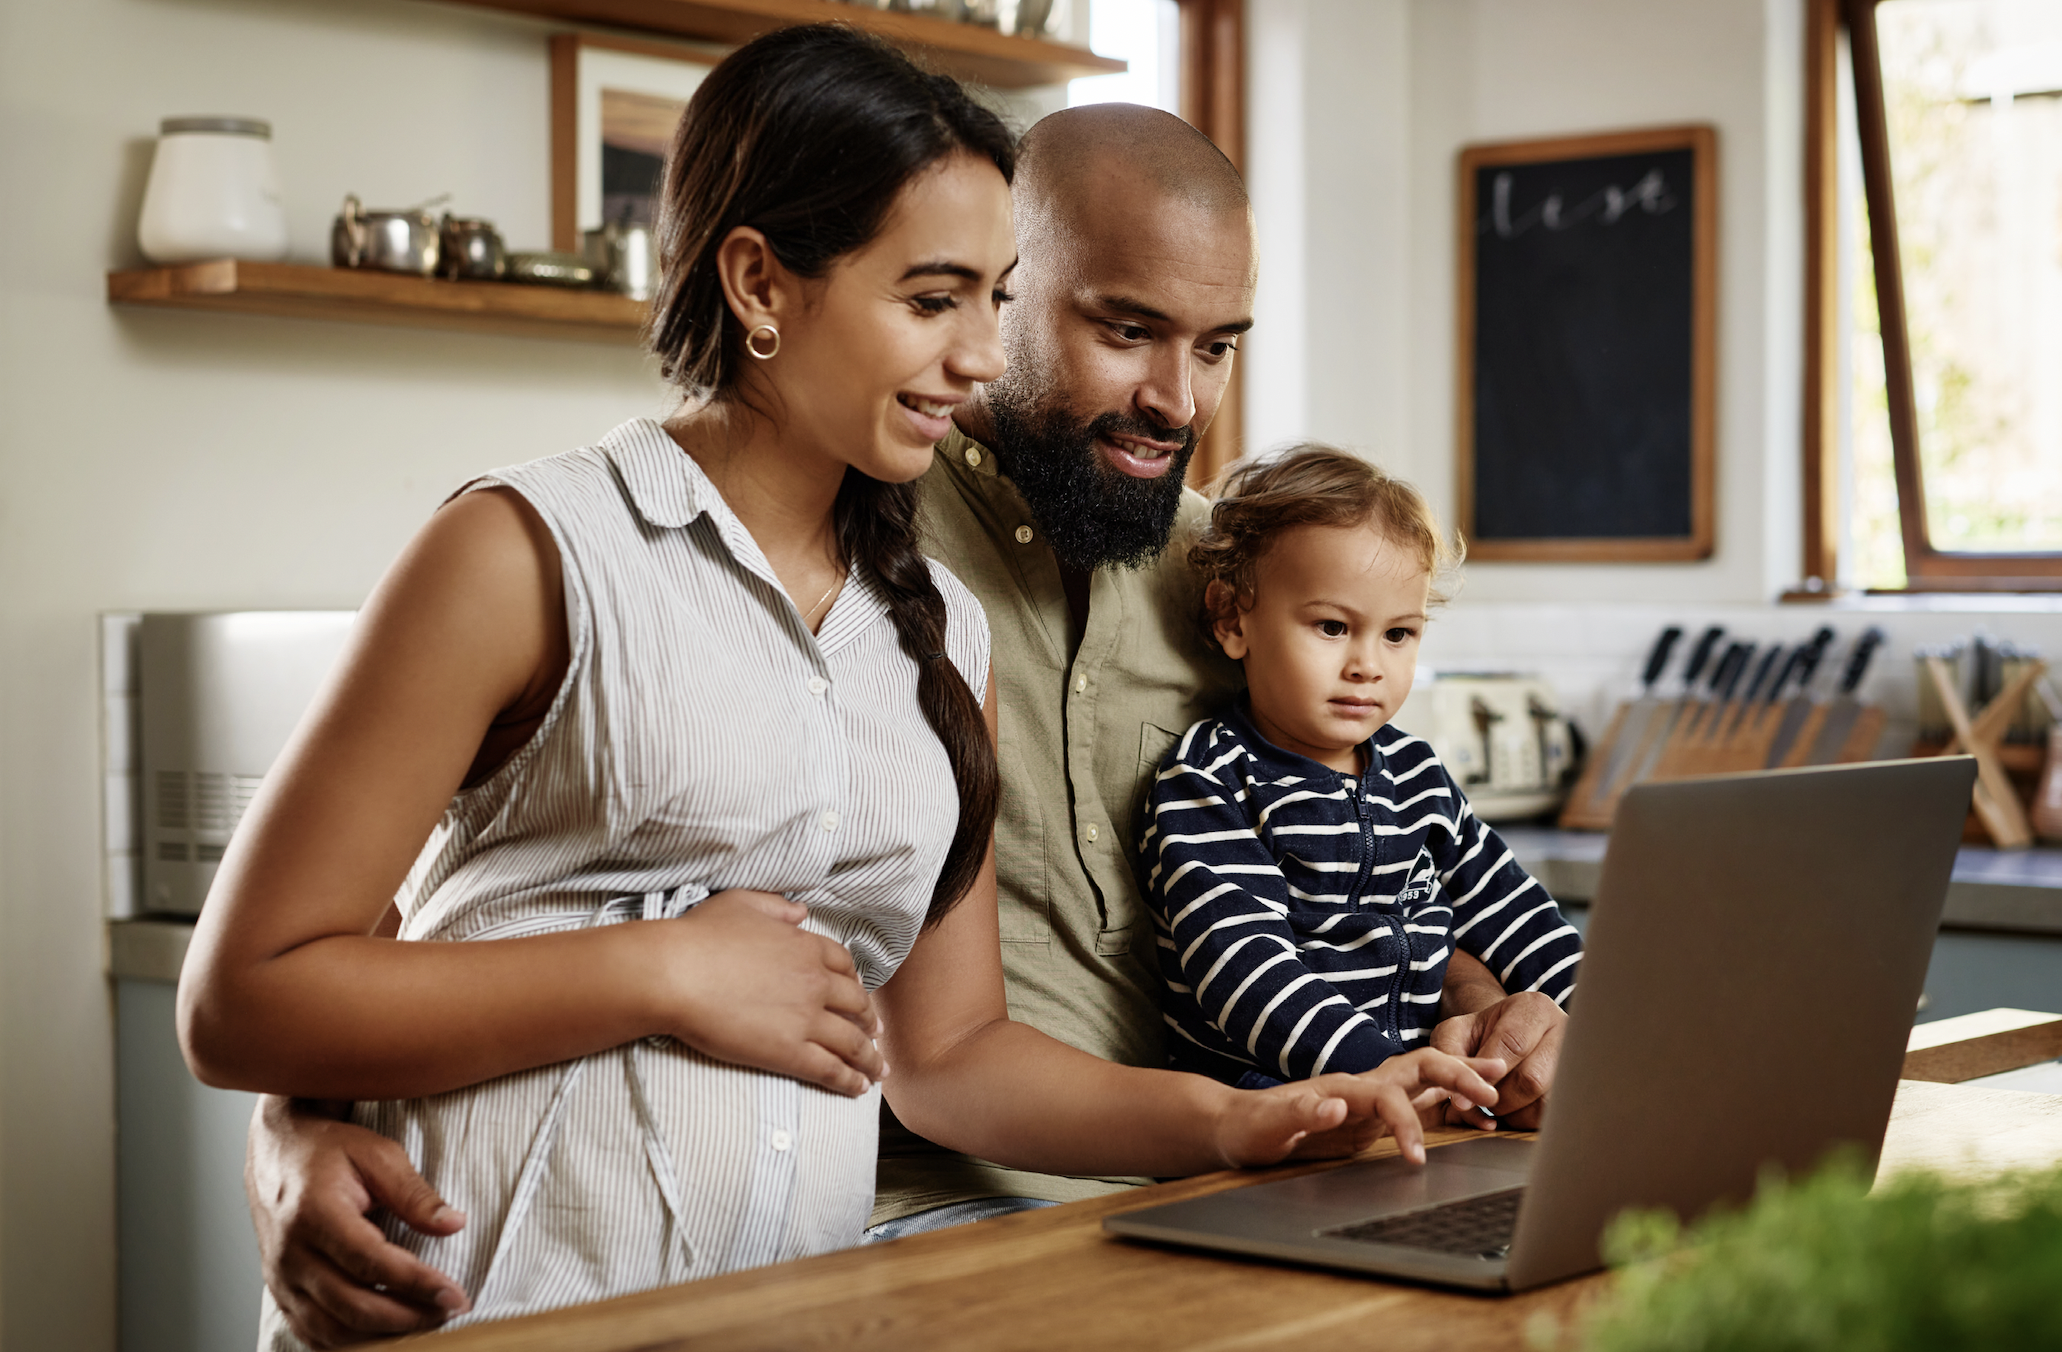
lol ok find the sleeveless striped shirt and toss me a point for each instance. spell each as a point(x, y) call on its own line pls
point(702, 739)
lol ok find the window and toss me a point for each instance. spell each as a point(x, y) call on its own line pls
point(1146, 33)
point(1934, 449)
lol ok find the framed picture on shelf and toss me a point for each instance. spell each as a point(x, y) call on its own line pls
point(614, 105)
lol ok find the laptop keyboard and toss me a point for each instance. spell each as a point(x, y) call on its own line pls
point(1479, 1227)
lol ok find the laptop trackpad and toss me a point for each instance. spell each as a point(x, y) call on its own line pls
point(1299, 1208)
point(1364, 1191)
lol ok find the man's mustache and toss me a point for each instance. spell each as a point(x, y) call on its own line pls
point(1125, 425)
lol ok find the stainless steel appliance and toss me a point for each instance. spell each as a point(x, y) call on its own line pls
point(1501, 736)
point(220, 693)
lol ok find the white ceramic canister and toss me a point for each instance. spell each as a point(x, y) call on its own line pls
point(213, 192)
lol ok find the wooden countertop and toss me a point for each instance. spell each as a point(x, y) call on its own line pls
point(1053, 1279)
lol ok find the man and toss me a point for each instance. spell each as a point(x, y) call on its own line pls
point(1058, 501)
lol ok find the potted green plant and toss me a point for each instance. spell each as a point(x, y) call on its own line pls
point(1922, 1262)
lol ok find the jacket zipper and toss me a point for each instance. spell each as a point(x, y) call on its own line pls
point(1360, 885)
point(1367, 842)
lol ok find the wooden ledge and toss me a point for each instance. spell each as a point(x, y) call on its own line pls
point(1955, 1062)
point(968, 51)
point(299, 291)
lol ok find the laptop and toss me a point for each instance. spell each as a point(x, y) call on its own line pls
point(1755, 951)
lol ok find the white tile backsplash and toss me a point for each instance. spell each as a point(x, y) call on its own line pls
point(1591, 652)
point(121, 799)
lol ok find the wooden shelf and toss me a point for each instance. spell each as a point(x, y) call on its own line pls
point(297, 291)
point(965, 50)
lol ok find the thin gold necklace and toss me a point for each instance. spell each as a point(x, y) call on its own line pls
point(809, 616)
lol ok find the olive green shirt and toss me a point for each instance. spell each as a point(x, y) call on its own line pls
point(1081, 736)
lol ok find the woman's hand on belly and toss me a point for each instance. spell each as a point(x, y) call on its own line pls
point(738, 979)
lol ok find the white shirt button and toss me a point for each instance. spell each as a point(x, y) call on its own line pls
point(817, 685)
point(1023, 535)
point(1080, 684)
point(829, 820)
point(974, 456)
point(1091, 835)
point(781, 1140)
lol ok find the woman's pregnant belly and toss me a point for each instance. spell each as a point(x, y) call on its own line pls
point(572, 1204)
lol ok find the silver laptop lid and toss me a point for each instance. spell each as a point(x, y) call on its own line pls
point(1783, 921)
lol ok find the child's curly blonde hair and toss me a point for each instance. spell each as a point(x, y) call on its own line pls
point(1309, 485)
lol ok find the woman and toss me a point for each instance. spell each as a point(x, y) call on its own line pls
point(696, 675)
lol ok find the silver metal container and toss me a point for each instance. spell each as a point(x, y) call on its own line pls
point(623, 258)
point(550, 268)
point(1028, 18)
point(470, 250)
point(385, 241)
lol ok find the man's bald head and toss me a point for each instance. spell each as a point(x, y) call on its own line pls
point(1076, 155)
point(1134, 282)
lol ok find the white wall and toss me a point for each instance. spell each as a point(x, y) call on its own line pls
point(1329, 125)
point(1358, 109)
point(167, 461)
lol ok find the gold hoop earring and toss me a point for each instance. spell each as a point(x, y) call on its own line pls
point(752, 342)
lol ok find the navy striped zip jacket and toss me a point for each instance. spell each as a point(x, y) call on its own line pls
point(1305, 917)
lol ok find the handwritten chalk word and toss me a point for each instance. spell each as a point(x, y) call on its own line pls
point(1606, 207)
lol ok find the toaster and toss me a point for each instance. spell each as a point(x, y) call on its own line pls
point(1501, 736)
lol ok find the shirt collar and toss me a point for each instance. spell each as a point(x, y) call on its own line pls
point(665, 484)
point(670, 491)
point(960, 449)
point(1239, 718)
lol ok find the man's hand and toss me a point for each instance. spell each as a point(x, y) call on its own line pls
point(1336, 1115)
point(1524, 1031)
point(310, 1180)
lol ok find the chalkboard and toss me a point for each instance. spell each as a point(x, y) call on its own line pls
point(1587, 272)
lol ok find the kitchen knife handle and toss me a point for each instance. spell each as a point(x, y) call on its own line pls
point(1768, 664)
point(1701, 654)
point(1730, 666)
point(1810, 655)
point(1795, 663)
point(1657, 660)
point(1858, 663)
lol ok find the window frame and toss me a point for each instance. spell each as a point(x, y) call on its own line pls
point(1213, 101)
point(1927, 569)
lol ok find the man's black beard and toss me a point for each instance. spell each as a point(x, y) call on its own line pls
point(1092, 515)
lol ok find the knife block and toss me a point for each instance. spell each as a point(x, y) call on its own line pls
point(2047, 800)
point(1738, 738)
point(1587, 808)
point(1995, 797)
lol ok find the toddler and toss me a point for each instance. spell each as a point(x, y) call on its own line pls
point(1310, 867)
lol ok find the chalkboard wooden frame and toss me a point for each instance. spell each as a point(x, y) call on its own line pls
point(1702, 143)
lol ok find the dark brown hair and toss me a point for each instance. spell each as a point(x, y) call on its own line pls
point(1309, 485)
point(808, 135)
